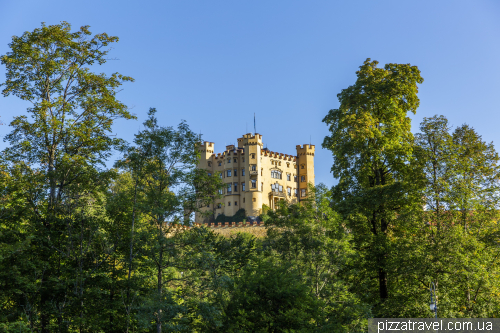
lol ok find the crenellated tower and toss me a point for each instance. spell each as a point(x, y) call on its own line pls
point(206, 150)
point(252, 146)
point(305, 165)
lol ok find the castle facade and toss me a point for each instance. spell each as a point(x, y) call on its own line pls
point(255, 176)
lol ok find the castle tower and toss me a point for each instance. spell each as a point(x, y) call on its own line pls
point(252, 145)
point(305, 165)
point(206, 150)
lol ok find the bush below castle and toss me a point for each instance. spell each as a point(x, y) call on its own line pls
point(240, 216)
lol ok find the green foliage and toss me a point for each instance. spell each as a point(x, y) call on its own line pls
point(57, 213)
point(271, 297)
point(221, 218)
point(87, 249)
point(239, 216)
point(315, 240)
point(372, 146)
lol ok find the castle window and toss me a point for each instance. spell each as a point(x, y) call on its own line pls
point(253, 199)
point(262, 186)
point(236, 203)
point(229, 188)
point(243, 188)
point(254, 183)
point(209, 164)
point(261, 171)
point(235, 187)
point(229, 203)
point(235, 172)
point(235, 160)
point(294, 178)
point(303, 192)
point(219, 205)
point(302, 166)
point(220, 175)
point(221, 191)
point(279, 163)
point(289, 191)
point(288, 165)
point(302, 178)
point(288, 177)
point(220, 163)
point(243, 200)
point(229, 160)
point(276, 187)
point(254, 167)
point(229, 173)
point(252, 155)
point(242, 172)
point(243, 159)
point(209, 174)
point(275, 174)
point(295, 191)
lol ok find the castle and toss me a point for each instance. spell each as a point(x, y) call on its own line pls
point(255, 176)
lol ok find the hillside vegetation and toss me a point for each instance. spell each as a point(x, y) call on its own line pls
point(86, 248)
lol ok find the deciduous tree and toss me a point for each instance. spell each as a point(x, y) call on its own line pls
point(372, 146)
point(57, 153)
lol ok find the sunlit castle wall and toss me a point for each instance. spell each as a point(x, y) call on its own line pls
point(254, 175)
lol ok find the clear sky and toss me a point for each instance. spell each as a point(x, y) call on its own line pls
point(216, 63)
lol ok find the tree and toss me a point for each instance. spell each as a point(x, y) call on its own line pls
point(475, 178)
point(434, 150)
point(163, 163)
point(271, 297)
point(433, 245)
point(316, 242)
point(56, 157)
point(372, 148)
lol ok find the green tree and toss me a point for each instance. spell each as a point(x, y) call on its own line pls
point(372, 146)
point(475, 180)
point(462, 186)
point(316, 242)
point(164, 166)
point(433, 245)
point(271, 297)
point(56, 157)
point(434, 150)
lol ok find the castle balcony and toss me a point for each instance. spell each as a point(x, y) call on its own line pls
point(277, 194)
point(254, 173)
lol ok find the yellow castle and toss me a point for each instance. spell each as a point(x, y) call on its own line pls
point(255, 176)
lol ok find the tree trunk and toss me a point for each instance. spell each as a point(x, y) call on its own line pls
point(382, 281)
point(160, 275)
point(158, 315)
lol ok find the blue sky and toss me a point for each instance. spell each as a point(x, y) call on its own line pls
point(215, 63)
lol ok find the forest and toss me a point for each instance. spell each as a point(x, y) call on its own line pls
point(89, 248)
